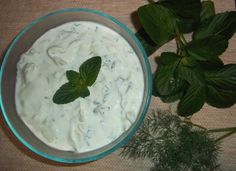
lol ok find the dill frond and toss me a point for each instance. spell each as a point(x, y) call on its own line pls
point(173, 145)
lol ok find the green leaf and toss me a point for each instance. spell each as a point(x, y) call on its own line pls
point(187, 25)
point(192, 101)
point(220, 98)
point(189, 61)
point(221, 24)
point(208, 10)
point(186, 11)
point(211, 65)
point(158, 22)
point(207, 49)
point(78, 82)
point(149, 46)
point(73, 76)
point(83, 92)
point(193, 75)
point(68, 93)
point(168, 58)
point(89, 70)
point(183, 8)
point(224, 78)
point(172, 98)
point(175, 95)
point(166, 79)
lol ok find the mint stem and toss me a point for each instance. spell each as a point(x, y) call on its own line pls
point(178, 47)
point(183, 39)
point(181, 42)
point(180, 37)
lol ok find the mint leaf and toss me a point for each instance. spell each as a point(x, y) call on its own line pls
point(194, 98)
point(78, 82)
point(89, 70)
point(208, 48)
point(224, 78)
point(168, 58)
point(193, 75)
point(187, 13)
point(83, 91)
point(148, 45)
point(158, 22)
point(73, 76)
point(172, 98)
point(192, 101)
point(221, 24)
point(166, 80)
point(211, 65)
point(189, 61)
point(208, 10)
point(220, 98)
point(183, 8)
point(68, 93)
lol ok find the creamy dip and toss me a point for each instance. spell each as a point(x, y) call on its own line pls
point(86, 123)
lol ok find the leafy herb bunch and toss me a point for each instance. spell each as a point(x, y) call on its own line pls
point(194, 74)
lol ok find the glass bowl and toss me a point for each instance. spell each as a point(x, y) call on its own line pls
point(23, 42)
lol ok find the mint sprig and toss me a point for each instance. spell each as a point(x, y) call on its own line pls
point(78, 82)
point(194, 74)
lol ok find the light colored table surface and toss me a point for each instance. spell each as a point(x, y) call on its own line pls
point(15, 14)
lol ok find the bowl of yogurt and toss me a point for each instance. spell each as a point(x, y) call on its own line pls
point(35, 66)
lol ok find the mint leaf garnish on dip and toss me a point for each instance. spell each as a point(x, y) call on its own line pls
point(78, 81)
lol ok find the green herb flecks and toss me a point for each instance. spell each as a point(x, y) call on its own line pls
point(78, 82)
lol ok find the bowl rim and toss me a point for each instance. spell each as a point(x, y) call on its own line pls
point(135, 128)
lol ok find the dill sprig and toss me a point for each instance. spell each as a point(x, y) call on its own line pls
point(173, 144)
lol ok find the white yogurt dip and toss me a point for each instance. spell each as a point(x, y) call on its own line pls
point(86, 123)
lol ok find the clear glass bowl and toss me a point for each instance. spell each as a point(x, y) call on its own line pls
point(23, 42)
